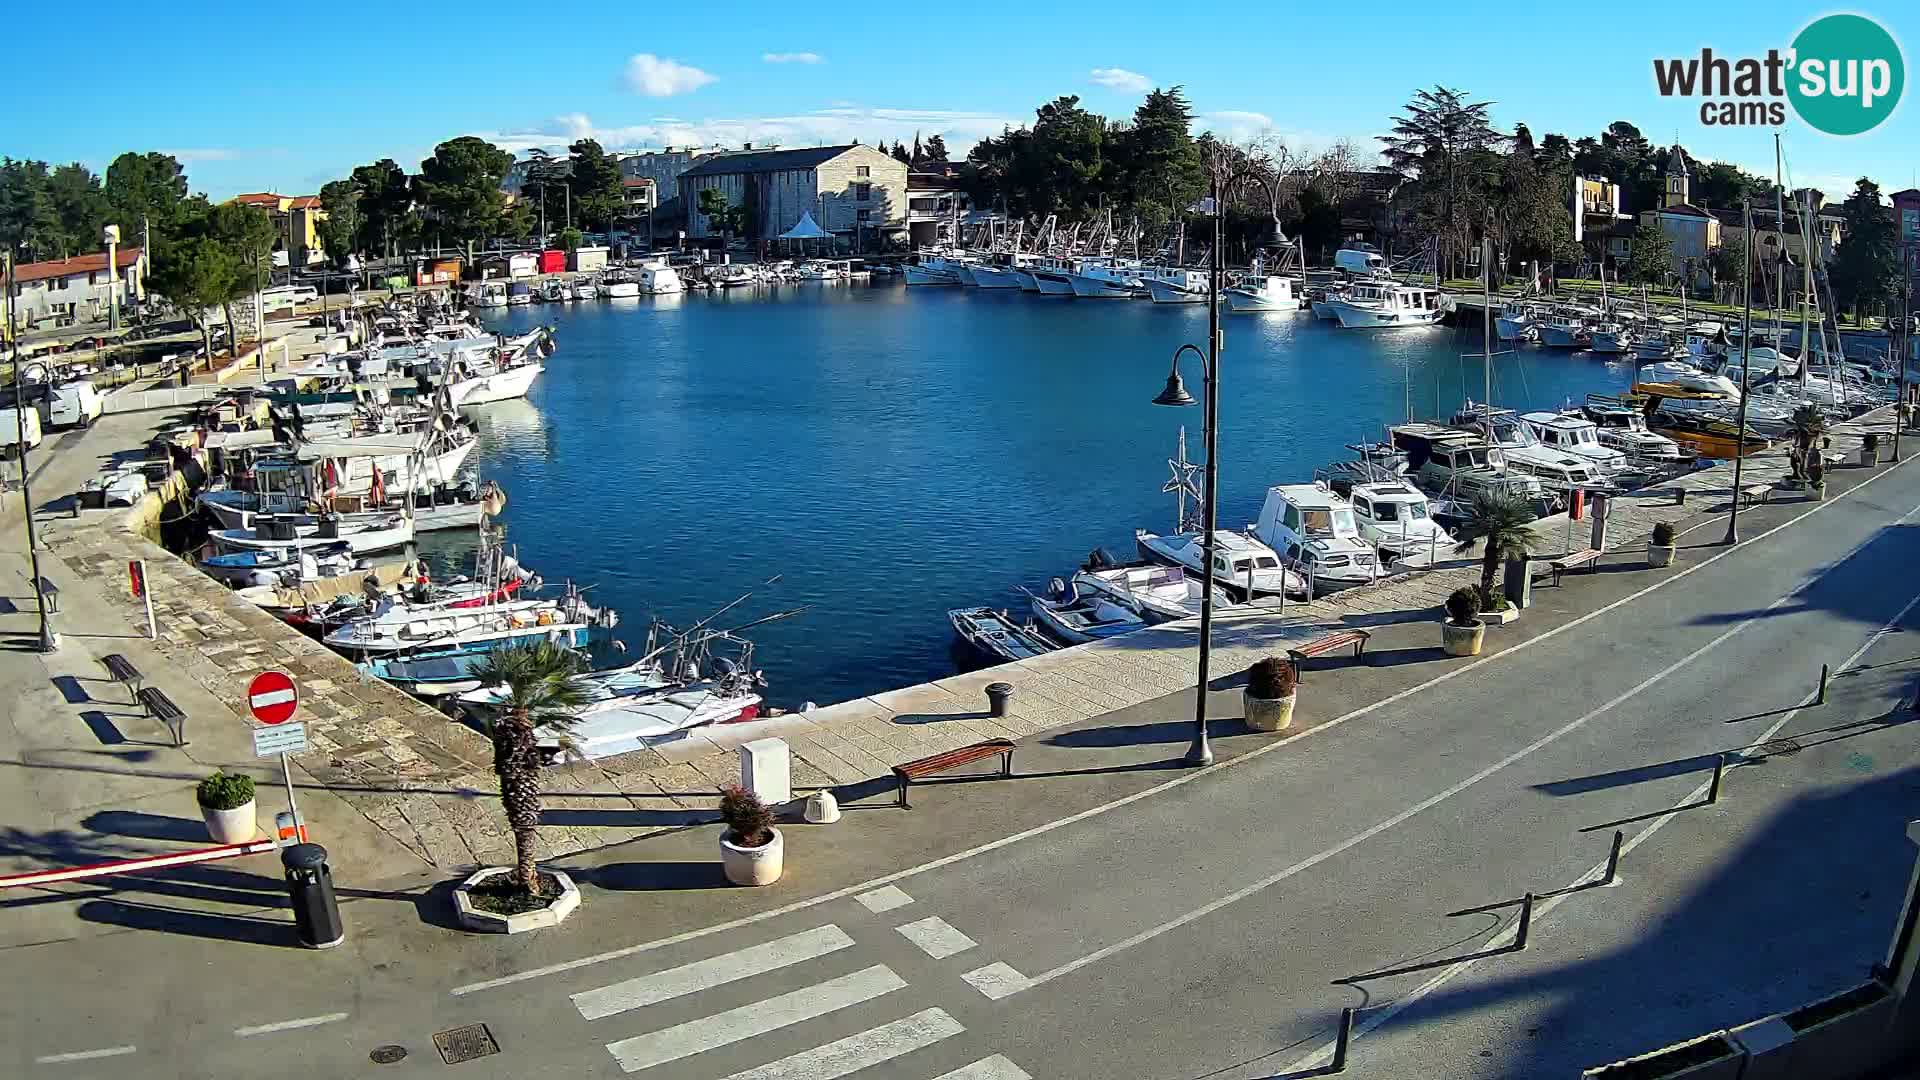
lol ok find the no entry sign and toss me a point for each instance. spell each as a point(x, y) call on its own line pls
point(272, 697)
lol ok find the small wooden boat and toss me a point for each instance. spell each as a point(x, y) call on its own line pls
point(993, 633)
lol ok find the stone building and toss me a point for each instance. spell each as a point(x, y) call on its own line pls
point(855, 192)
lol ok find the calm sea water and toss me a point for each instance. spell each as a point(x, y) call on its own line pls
point(894, 453)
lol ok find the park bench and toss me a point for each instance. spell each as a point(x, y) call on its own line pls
point(51, 594)
point(1587, 557)
point(1833, 459)
point(122, 671)
point(953, 759)
point(1339, 639)
point(161, 708)
point(1755, 493)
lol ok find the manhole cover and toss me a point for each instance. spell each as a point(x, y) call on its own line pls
point(465, 1043)
point(387, 1055)
point(1778, 746)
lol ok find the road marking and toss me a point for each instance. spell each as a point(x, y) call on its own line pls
point(884, 899)
point(1188, 777)
point(272, 697)
point(714, 971)
point(988, 1068)
point(720, 1029)
point(1599, 870)
point(855, 1052)
point(289, 1025)
point(84, 1055)
point(936, 937)
point(997, 980)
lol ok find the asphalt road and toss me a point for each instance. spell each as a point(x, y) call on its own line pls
point(1203, 924)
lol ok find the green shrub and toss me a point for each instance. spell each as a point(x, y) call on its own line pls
point(1663, 534)
point(749, 822)
point(225, 791)
point(1270, 678)
point(1463, 606)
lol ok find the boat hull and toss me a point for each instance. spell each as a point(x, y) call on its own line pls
point(926, 275)
point(1050, 284)
point(505, 386)
point(1358, 317)
point(995, 277)
point(1248, 301)
point(1097, 288)
point(1163, 293)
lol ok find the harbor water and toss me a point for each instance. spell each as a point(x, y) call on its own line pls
point(892, 453)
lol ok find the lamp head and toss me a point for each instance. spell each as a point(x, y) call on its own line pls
point(1176, 391)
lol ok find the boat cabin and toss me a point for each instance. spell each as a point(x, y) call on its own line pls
point(1312, 526)
point(1574, 435)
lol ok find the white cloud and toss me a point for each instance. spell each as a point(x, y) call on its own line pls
point(1235, 124)
point(657, 76)
point(1114, 78)
point(204, 153)
point(818, 127)
point(793, 58)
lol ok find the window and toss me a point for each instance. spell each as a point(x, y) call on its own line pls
point(863, 192)
point(865, 216)
point(1292, 517)
point(862, 170)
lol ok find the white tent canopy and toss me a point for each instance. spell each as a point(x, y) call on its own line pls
point(805, 229)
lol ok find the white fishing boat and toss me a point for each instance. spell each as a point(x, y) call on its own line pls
point(1055, 280)
point(365, 536)
point(1395, 517)
point(1075, 620)
point(659, 279)
point(1263, 292)
point(1624, 428)
point(1385, 305)
point(1001, 272)
point(1611, 337)
point(1152, 590)
point(618, 285)
point(242, 569)
point(1104, 279)
point(584, 288)
point(1312, 527)
point(487, 294)
point(1578, 436)
point(396, 628)
point(1516, 321)
point(1242, 566)
point(993, 633)
point(1176, 286)
point(442, 507)
point(1564, 330)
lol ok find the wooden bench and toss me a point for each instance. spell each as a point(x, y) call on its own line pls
point(161, 708)
point(50, 593)
point(1339, 639)
point(1755, 493)
point(1833, 459)
point(953, 759)
point(122, 671)
point(1587, 557)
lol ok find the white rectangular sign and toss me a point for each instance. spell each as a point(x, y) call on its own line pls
point(279, 739)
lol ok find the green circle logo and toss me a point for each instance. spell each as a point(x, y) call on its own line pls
point(1847, 74)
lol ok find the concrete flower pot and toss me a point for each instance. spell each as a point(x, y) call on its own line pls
point(1269, 714)
point(235, 826)
point(1709, 1057)
point(1869, 458)
point(1505, 615)
point(1463, 640)
point(489, 922)
point(753, 865)
point(1817, 491)
point(1660, 554)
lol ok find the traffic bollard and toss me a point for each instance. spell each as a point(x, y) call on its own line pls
point(1719, 770)
point(1340, 1044)
point(1824, 673)
point(1526, 923)
point(316, 914)
point(1613, 858)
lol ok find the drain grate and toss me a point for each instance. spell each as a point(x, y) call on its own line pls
point(465, 1043)
point(387, 1055)
point(1778, 747)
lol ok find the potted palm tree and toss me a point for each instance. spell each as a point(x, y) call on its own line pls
point(1660, 547)
point(226, 805)
point(1270, 694)
point(541, 690)
point(752, 851)
point(1502, 523)
point(1463, 632)
point(1807, 428)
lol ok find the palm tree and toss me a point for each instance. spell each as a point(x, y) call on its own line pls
point(1808, 425)
point(1504, 521)
point(541, 690)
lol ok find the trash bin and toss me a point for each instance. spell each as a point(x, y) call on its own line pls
point(999, 698)
point(316, 915)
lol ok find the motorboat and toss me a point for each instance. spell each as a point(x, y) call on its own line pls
point(993, 633)
point(1395, 517)
point(1151, 590)
point(618, 285)
point(1243, 567)
point(1460, 463)
point(732, 276)
point(487, 294)
point(1073, 619)
point(285, 535)
point(519, 293)
point(1312, 527)
point(659, 279)
point(240, 569)
point(551, 291)
point(1624, 428)
point(397, 628)
point(1575, 435)
point(1105, 279)
point(1263, 292)
point(1382, 305)
point(1174, 286)
point(1709, 434)
point(584, 289)
point(1557, 470)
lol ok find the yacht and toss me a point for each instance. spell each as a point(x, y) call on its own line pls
point(1373, 305)
point(1263, 292)
point(1242, 566)
point(1312, 526)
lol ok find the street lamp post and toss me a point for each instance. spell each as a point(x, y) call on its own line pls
point(1200, 752)
point(48, 642)
point(1904, 349)
point(110, 236)
point(1746, 336)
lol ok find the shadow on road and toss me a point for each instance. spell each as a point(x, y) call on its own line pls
point(653, 876)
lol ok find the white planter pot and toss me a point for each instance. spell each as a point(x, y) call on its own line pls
point(1510, 613)
point(1869, 458)
point(1463, 640)
point(474, 918)
point(1818, 491)
point(756, 865)
point(235, 826)
point(1269, 714)
point(1660, 554)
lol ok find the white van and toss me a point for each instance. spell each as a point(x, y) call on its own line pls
point(1360, 260)
point(74, 404)
point(288, 296)
point(12, 423)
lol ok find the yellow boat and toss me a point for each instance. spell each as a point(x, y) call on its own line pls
point(1712, 436)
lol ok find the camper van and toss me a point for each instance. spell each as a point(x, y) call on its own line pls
point(74, 404)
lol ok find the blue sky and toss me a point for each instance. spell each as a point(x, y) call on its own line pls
point(253, 97)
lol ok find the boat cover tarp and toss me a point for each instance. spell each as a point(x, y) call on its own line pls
point(360, 446)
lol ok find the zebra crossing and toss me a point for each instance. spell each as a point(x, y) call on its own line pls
point(628, 1002)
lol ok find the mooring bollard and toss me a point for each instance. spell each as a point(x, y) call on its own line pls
point(1679, 496)
point(1822, 699)
point(1613, 858)
point(999, 699)
point(1526, 923)
point(1719, 770)
point(1345, 1038)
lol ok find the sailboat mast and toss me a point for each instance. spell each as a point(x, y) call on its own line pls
point(1486, 329)
point(1806, 294)
point(1780, 224)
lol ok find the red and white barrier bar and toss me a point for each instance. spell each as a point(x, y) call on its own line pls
point(133, 866)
